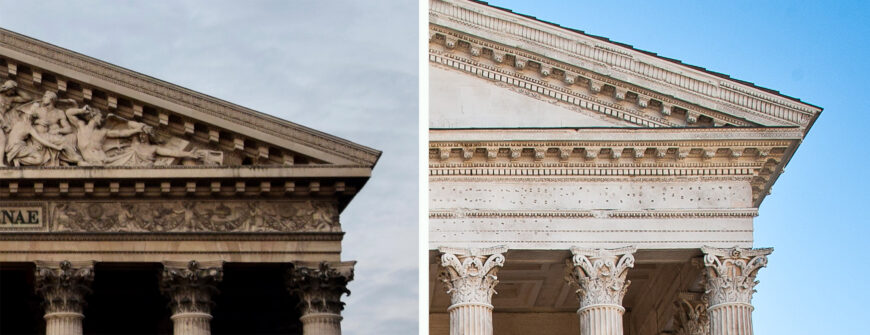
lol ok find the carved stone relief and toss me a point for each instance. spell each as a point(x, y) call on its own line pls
point(58, 132)
point(731, 273)
point(190, 287)
point(598, 275)
point(320, 288)
point(469, 275)
point(194, 216)
point(63, 285)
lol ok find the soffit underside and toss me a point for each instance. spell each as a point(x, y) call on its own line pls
point(38, 67)
point(477, 38)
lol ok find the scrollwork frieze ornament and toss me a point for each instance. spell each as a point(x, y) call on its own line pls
point(469, 275)
point(730, 273)
point(599, 275)
point(64, 285)
point(320, 287)
point(195, 216)
point(191, 286)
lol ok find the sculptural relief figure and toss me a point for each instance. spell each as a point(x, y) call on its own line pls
point(26, 146)
point(10, 97)
point(57, 132)
point(142, 152)
point(90, 135)
point(194, 216)
point(54, 126)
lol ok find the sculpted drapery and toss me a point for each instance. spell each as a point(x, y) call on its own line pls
point(57, 132)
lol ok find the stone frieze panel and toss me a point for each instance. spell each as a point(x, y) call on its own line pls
point(548, 231)
point(565, 194)
point(178, 216)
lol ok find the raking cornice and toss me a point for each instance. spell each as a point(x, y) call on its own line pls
point(17, 46)
point(557, 45)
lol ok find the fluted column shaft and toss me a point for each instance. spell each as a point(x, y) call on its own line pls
point(599, 277)
point(601, 320)
point(470, 318)
point(469, 276)
point(190, 288)
point(63, 286)
point(730, 319)
point(730, 283)
point(319, 289)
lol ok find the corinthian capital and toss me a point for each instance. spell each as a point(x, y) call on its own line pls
point(731, 273)
point(691, 317)
point(599, 274)
point(190, 286)
point(63, 285)
point(469, 275)
point(320, 286)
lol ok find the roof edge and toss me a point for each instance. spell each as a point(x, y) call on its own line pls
point(192, 99)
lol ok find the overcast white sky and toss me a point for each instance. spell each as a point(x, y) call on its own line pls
point(348, 68)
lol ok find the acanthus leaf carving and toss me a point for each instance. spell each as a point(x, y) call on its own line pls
point(320, 287)
point(192, 286)
point(64, 285)
point(469, 275)
point(599, 274)
point(691, 316)
point(730, 273)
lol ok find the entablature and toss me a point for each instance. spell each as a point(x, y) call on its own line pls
point(757, 155)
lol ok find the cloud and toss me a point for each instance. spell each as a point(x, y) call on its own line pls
point(347, 68)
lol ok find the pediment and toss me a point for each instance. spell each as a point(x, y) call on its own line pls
point(463, 100)
point(601, 77)
point(64, 109)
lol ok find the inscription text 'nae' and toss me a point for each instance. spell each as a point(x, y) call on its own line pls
point(20, 216)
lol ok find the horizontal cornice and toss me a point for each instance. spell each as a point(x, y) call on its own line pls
point(613, 134)
point(185, 172)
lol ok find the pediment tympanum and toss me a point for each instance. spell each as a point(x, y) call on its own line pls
point(48, 131)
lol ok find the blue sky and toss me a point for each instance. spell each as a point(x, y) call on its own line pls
point(813, 50)
point(348, 68)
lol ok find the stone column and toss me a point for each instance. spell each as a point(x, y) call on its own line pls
point(599, 276)
point(691, 317)
point(190, 287)
point(63, 286)
point(469, 275)
point(730, 283)
point(319, 289)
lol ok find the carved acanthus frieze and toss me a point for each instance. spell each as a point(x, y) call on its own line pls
point(730, 273)
point(63, 285)
point(599, 274)
point(319, 288)
point(195, 216)
point(469, 275)
point(191, 287)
